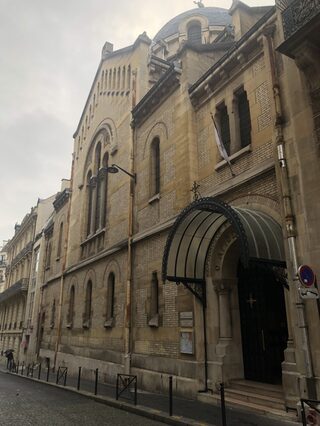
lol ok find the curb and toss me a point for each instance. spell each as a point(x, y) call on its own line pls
point(140, 410)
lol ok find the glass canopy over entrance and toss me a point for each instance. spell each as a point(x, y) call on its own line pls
point(184, 261)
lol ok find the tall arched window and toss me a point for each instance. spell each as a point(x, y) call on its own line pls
point(123, 85)
point(48, 253)
point(96, 190)
point(110, 301)
point(155, 167)
point(53, 314)
point(70, 308)
point(60, 241)
point(118, 78)
point(194, 33)
point(87, 306)
point(104, 192)
point(129, 77)
point(89, 202)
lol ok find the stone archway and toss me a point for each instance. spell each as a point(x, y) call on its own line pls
point(247, 343)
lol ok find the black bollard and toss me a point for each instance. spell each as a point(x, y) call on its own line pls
point(48, 372)
point(39, 372)
point(135, 392)
point(170, 396)
point(79, 378)
point(65, 377)
point(96, 383)
point(22, 368)
point(223, 405)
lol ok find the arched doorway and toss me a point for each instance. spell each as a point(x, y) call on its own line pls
point(263, 322)
point(211, 229)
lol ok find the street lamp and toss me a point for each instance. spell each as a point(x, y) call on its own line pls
point(114, 168)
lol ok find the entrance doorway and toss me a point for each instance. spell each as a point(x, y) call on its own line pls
point(263, 323)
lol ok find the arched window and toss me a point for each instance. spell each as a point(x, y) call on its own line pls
point(97, 192)
point(89, 202)
point(60, 241)
point(118, 78)
point(48, 253)
point(194, 33)
point(106, 80)
point(123, 78)
point(53, 314)
point(129, 77)
point(155, 167)
point(102, 80)
point(104, 192)
point(87, 306)
point(70, 308)
point(114, 78)
point(110, 300)
point(110, 79)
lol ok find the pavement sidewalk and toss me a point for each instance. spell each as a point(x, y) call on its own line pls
point(156, 406)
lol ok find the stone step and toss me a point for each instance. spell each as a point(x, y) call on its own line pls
point(256, 398)
point(257, 387)
point(249, 406)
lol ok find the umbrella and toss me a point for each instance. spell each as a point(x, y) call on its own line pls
point(8, 351)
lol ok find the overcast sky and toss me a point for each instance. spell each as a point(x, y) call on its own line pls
point(49, 53)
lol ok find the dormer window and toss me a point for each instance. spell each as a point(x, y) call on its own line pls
point(194, 33)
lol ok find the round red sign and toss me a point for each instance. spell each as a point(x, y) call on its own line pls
point(306, 276)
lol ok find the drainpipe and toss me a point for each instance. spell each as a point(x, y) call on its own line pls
point(63, 269)
point(128, 306)
point(288, 211)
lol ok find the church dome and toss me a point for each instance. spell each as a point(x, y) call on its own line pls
point(215, 15)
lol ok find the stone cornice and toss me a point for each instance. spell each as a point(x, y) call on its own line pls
point(23, 253)
point(167, 84)
point(61, 199)
point(27, 220)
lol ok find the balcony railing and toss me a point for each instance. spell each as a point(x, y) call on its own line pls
point(16, 289)
point(297, 14)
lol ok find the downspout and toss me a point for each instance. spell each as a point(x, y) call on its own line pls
point(63, 270)
point(290, 228)
point(128, 306)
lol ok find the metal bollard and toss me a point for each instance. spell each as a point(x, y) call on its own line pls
point(79, 378)
point(170, 396)
point(48, 372)
point(17, 368)
point(57, 379)
point(22, 368)
point(223, 405)
point(96, 382)
point(39, 372)
point(65, 377)
point(135, 392)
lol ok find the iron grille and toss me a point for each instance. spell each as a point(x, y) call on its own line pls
point(297, 14)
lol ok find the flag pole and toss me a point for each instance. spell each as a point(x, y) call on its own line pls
point(221, 146)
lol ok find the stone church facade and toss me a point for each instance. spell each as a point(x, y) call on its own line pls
point(166, 257)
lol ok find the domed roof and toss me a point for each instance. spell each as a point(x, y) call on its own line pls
point(215, 16)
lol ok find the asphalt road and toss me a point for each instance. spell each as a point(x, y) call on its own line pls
point(25, 403)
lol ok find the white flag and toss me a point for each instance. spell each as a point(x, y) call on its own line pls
point(220, 145)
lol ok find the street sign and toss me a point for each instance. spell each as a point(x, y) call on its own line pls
point(306, 276)
point(309, 293)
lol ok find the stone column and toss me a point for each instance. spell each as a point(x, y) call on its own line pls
point(224, 313)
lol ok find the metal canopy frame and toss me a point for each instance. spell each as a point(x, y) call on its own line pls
point(187, 247)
